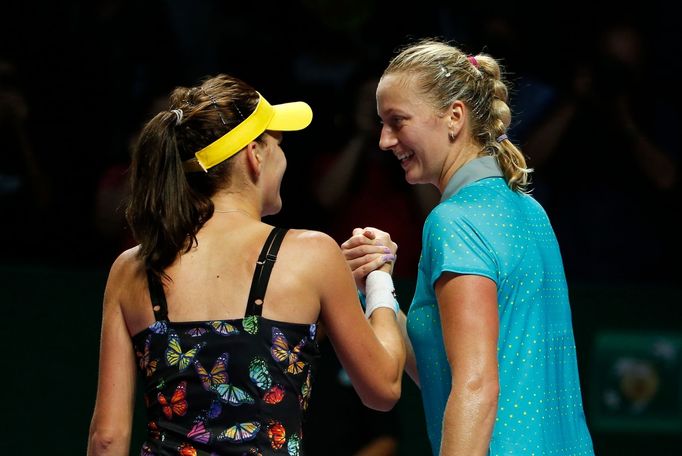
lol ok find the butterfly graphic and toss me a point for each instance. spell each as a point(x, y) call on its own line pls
point(199, 433)
point(223, 328)
point(177, 404)
point(293, 445)
point(217, 376)
point(233, 395)
point(259, 374)
point(187, 450)
point(214, 410)
point(196, 332)
point(159, 327)
point(240, 432)
point(175, 355)
point(281, 352)
point(147, 366)
point(306, 389)
point(153, 430)
point(276, 434)
point(250, 324)
point(274, 395)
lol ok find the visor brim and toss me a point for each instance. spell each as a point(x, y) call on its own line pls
point(291, 116)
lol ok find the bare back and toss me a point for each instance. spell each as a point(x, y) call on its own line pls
point(211, 281)
point(310, 282)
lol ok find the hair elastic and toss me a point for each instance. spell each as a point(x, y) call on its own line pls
point(178, 114)
point(502, 137)
point(473, 60)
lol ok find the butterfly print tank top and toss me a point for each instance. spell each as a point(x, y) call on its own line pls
point(226, 387)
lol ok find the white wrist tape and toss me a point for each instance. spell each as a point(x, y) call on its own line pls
point(379, 292)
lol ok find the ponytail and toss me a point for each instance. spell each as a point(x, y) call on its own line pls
point(493, 125)
point(163, 212)
point(513, 165)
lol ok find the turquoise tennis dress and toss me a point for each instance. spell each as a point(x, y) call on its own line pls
point(482, 227)
point(226, 387)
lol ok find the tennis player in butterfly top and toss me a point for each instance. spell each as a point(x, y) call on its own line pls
point(215, 311)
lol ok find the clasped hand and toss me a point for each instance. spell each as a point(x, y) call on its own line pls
point(369, 249)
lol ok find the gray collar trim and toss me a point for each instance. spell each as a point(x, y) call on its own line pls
point(475, 170)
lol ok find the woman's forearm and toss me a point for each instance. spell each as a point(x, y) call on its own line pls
point(469, 419)
point(385, 327)
point(107, 442)
point(411, 360)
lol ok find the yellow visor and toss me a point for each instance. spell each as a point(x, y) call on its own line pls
point(282, 117)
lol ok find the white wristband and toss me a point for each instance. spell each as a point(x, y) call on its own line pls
point(379, 292)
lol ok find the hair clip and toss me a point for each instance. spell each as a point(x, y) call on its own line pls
point(238, 110)
point(215, 105)
point(445, 71)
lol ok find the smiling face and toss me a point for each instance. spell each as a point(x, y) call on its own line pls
point(412, 129)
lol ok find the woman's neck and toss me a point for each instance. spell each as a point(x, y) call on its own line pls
point(467, 153)
point(236, 204)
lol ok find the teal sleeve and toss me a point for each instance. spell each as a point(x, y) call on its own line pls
point(454, 243)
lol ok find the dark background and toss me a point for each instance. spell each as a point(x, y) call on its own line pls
point(78, 80)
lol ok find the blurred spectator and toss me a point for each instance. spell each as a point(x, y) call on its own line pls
point(356, 185)
point(602, 158)
point(531, 94)
point(24, 189)
point(111, 196)
point(359, 185)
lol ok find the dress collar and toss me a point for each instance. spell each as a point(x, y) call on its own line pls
point(476, 169)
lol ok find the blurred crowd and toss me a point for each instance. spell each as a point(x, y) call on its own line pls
point(594, 107)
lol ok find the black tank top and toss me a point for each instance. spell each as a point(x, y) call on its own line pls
point(226, 387)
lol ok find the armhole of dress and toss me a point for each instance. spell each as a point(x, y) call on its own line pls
point(261, 276)
point(158, 297)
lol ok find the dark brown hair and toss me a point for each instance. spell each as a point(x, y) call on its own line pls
point(167, 206)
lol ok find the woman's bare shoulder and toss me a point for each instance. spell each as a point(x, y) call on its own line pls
point(314, 242)
point(126, 269)
point(317, 259)
point(128, 260)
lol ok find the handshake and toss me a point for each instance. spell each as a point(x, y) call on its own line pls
point(369, 249)
point(370, 253)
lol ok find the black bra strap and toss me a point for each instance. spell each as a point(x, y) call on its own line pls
point(261, 276)
point(158, 297)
